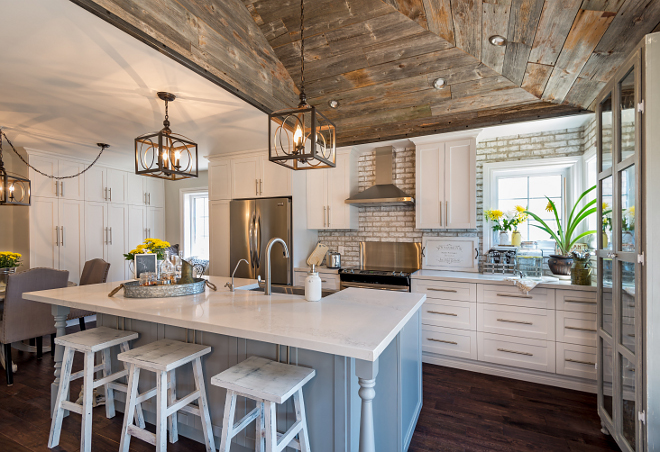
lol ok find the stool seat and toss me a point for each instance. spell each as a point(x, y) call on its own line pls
point(263, 379)
point(164, 355)
point(96, 339)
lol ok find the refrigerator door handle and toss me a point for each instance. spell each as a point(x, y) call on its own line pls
point(251, 241)
point(258, 241)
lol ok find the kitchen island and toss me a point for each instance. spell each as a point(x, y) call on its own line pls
point(355, 339)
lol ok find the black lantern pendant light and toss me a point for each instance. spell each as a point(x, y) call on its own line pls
point(165, 154)
point(14, 189)
point(302, 137)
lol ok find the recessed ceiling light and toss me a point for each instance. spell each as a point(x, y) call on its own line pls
point(497, 40)
point(439, 83)
point(333, 103)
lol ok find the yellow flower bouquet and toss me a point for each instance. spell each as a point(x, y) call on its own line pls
point(506, 221)
point(9, 259)
point(149, 246)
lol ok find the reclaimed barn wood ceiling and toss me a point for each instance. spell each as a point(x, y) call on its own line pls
point(378, 58)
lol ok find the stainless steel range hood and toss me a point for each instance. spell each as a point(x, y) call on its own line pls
point(384, 192)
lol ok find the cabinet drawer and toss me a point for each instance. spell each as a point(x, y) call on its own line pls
point(445, 290)
point(446, 341)
point(576, 328)
point(450, 314)
point(576, 360)
point(329, 281)
point(512, 296)
point(576, 301)
point(519, 352)
point(529, 323)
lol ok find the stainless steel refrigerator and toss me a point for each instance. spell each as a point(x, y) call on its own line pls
point(253, 222)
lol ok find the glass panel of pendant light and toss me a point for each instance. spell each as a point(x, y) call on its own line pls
point(301, 138)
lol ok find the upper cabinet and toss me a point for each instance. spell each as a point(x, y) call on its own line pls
point(42, 186)
point(253, 176)
point(446, 191)
point(145, 191)
point(220, 180)
point(327, 191)
point(106, 185)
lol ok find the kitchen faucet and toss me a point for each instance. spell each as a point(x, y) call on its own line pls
point(231, 284)
point(269, 247)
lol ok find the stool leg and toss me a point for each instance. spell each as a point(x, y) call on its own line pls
point(299, 403)
point(228, 421)
point(271, 426)
point(259, 443)
point(88, 403)
point(172, 421)
point(62, 395)
point(40, 347)
point(109, 392)
point(52, 345)
point(139, 416)
point(161, 412)
point(203, 405)
point(8, 364)
point(81, 322)
point(131, 395)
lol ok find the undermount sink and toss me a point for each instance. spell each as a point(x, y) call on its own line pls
point(291, 290)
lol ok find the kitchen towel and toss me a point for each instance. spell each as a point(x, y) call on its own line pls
point(525, 285)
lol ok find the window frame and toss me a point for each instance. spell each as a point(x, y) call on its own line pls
point(493, 170)
point(184, 197)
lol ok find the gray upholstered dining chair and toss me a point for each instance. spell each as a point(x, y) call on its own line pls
point(23, 319)
point(95, 271)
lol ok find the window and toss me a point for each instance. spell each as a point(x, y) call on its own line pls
point(196, 224)
point(591, 178)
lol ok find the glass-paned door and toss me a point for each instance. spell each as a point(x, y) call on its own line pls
point(620, 360)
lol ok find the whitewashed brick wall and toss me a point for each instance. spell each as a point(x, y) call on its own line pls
point(397, 224)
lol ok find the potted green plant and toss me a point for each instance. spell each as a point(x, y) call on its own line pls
point(566, 235)
point(8, 263)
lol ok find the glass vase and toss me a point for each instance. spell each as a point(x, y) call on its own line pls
point(505, 238)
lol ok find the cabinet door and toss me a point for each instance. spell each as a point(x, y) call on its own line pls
point(116, 183)
point(219, 238)
point(155, 192)
point(219, 181)
point(244, 181)
point(137, 225)
point(95, 185)
point(429, 189)
point(72, 237)
point(317, 198)
point(73, 188)
point(136, 190)
point(117, 241)
point(44, 237)
point(156, 222)
point(274, 180)
point(96, 231)
point(43, 186)
point(460, 206)
point(338, 190)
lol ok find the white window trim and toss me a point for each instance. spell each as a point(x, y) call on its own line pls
point(494, 169)
point(182, 214)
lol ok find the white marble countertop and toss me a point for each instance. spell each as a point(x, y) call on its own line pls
point(358, 323)
point(481, 278)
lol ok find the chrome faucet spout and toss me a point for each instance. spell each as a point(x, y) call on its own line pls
point(231, 285)
point(269, 247)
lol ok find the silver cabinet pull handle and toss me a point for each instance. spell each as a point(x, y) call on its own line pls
point(570, 300)
point(513, 295)
point(444, 342)
point(515, 321)
point(57, 190)
point(110, 193)
point(62, 229)
point(261, 187)
point(57, 236)
point(579, 329)
point(443, 313)
point(514, 352)
point(588, 363)
point(105, 193)
point(105, 231)
point(441, 290)
point(62, 188)
point(145, 198)
point(329, 216)
point(256, 187)
point(149, 198)
point(325, 216)
point(111, 231)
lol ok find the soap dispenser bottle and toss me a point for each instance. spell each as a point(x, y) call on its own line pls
point(313, 286)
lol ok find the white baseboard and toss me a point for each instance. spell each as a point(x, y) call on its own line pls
point(533, 376)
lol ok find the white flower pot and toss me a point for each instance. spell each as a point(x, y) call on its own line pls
point(505, 238)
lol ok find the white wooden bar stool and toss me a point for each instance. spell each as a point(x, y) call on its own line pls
point(89, 342)
point(268, 383)
point(164, 357)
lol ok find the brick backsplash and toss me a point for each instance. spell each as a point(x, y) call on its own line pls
point(397, 223)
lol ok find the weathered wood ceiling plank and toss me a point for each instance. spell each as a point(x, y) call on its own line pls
point(467, 25)
point(523, 21)
point(554, 25)
point(439, 18)
point(584, 92)
point(495, 22)
point(602, 5)
point(536, 77)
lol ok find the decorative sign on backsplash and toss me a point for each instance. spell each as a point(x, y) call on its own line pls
point(451, 253)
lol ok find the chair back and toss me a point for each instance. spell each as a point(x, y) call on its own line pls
point(24, 319)
point(94, 272)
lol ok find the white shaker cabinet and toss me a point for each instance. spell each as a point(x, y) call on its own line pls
point(327, 191)
point(42, 186)
point(145, 191)
point(106, 185)
point(274, 179)
point(446, 191)
point(245, 179)
point(257, 177)
point(106, 228)
point(220, 180)
point(156, 222)
point(137, 226)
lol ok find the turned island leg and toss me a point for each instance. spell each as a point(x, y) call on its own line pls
point(366, 372)
point(60, 313)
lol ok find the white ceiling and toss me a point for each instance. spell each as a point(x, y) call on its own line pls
point(70, 80)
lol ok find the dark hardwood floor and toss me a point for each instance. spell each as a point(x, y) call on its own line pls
point(463, 411)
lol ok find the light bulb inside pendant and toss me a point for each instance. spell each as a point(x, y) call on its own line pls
point(177, 157)
point(297, 137)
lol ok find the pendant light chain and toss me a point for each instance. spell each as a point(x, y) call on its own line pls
point(103, 148)
point(303, 97)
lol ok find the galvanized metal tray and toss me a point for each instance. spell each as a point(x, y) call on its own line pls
point(133, 289)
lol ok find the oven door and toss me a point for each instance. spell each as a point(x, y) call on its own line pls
point(345, 285)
